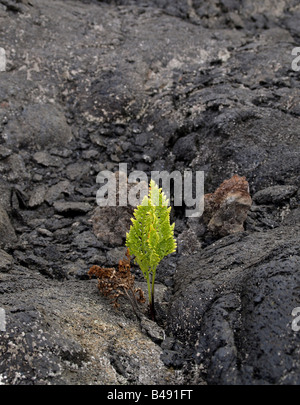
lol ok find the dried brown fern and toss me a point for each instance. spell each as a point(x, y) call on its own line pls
point(114, 283)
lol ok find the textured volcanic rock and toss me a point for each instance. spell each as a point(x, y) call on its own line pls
point(233, 303)
point(7, 232)
point(110, 223)
point(159, 85)
point(6, 261)
point(38, 124)
point(227, 208)
point(69, 335)
point(274, 194)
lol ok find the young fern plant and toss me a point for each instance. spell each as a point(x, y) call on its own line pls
point(151, 236)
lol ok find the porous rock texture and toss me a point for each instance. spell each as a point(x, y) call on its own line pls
point(158, 85)
point(226, 210)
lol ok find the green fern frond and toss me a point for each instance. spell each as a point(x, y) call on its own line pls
point(151, 236)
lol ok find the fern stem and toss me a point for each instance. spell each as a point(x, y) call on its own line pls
point(151, 303)
point(149, 288)
point(153, 278)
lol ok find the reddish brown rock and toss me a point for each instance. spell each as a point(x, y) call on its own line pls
point(226, 209)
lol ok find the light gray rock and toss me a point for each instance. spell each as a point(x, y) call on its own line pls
point(45, 159)
point(5, 195)
point(77, 170)
point(6, 261)
point(2, 60)
point(58, 190)
point(7, 232)
point(72, 335)
point(72, 207)
point(4, 152)
point(37, 197)
point(14, 168)
point(114, 255)
point(40, 125)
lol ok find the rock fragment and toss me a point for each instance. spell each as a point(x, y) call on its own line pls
point(40, 125)
point(2, 60)
point(115, 255)
point(72, 207)
point(226, 209)
point(45, 159)
point(110, 224)
point(7, 232)
point(274, 194)
point(37, 197)
point(58, 190)
point(6, 261)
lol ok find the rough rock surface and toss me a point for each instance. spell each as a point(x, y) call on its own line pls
point(226, 210)
point(7, 232)
point(233, 304)
point(158, 85)
point(69, 335)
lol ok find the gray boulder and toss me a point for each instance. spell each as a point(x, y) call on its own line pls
point(39, 125)
point(69, 335)
point(233, 305)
